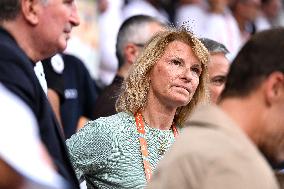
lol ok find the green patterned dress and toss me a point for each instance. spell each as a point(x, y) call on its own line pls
point(106, 152)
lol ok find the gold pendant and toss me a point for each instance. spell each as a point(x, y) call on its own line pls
point(162, 149)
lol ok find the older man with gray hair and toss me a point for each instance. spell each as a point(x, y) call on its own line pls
point(29, 32)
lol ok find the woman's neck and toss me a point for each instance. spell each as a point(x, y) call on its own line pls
point(158, 117)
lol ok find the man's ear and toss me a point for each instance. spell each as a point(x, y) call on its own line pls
point(30, 10)
point(274, 87)
point(131, 52)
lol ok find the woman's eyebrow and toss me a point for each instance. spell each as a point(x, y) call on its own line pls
point(178, 58)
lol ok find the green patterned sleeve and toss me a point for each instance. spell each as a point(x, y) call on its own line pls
point(90, 147)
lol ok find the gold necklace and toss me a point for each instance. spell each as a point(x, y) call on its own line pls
point(163, 143)
point(163, 148)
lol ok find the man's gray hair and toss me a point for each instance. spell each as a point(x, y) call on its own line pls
point(133, 30)
point(9, 9)
point(214, 46)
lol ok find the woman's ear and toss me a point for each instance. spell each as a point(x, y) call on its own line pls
point(30, 10)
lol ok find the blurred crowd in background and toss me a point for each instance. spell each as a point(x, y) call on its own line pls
point(230, 22)
point(41, 96)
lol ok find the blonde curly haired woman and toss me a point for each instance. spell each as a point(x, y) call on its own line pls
point(164, 85)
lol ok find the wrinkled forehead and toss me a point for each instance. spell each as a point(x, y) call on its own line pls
point(181, 51)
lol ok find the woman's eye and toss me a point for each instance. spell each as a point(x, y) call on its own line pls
point(176, 62)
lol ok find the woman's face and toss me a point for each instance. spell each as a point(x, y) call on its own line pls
point(175, 76)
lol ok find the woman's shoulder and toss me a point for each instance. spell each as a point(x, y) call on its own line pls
point(104, 125)
point(100, 133)
point(114, 122)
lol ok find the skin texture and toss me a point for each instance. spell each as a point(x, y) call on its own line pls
point(173, 81)
point(217, 69)
point(9, 177)
point(60, 16)
point(42, 29)
point(175, 77)
point(54, 100)
point(271, 140)
point(162, 83)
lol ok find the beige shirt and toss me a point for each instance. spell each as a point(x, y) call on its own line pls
point(213, 153)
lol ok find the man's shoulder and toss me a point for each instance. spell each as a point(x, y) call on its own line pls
point(16, 72)
point(110, 93)
point(105, 103)
point(9, 47)
point(75, 64)
point(206, 151)
point(219, 133)
point(12, 57)
point(208, 143)
point(17, 78)
point(217, 143)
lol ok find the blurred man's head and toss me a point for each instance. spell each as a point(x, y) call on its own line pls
point(256, 77)
point(217, 68)
point(218, 6)
point(132, 36)
point(246, 10)
point(41, 27)
point(271, 8)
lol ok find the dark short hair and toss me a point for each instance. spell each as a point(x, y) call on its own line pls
point(9, 9)
point(262, 55)
point(214, 46)
point(132, 30)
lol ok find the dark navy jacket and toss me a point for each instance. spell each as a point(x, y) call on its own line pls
point(17, 74)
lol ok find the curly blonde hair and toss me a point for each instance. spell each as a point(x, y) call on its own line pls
point(135, 88)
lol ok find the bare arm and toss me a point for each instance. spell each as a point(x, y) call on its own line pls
point(54, 100)
point(81, 122)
